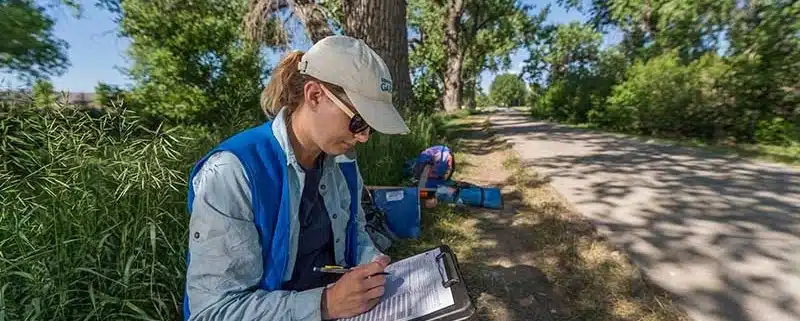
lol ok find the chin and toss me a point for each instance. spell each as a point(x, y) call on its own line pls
point(337, 150)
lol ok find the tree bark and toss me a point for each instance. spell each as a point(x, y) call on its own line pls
point(470, 91)
point(455, 57)
point(382, 26)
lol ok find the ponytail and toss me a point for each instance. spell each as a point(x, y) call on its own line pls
point(285, 87)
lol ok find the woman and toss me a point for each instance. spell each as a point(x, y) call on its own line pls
point(273, 202)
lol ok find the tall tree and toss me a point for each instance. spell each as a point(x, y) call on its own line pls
point(28, 46)
point(382, 25)
point(190, 61)
point(455, 56)
point(457, 45)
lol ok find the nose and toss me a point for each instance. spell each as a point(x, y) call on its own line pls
point(363, 136)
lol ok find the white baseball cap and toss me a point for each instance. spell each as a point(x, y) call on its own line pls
point(349, 63)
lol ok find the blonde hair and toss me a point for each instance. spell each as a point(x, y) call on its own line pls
point(286, 86)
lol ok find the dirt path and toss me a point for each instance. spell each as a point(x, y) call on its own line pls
point(535, 259)
point(721, 233)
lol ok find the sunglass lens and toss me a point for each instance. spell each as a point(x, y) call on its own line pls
point(357, 124)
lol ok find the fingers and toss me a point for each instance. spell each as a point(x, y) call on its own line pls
point(369, 269)
point(374, 281)
point(375, 292)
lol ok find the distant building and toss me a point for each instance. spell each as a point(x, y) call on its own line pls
point(77, 99)
point(81, 99)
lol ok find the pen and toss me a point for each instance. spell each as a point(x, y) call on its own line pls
point(339, 270)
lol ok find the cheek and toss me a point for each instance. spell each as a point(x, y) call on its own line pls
point(330, 135)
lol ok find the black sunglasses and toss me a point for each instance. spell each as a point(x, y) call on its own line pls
point(357, 123)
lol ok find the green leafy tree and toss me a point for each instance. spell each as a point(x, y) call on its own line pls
point(579, 74)
point(191, 61)
point(453, 42)
point(573, 49)
point(508, 90)
point(28, 47)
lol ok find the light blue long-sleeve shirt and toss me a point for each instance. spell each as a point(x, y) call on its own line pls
point(225, 268)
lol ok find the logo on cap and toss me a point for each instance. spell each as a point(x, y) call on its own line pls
point(386, 85)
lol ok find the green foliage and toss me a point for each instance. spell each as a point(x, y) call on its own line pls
point(91, 216)
point(109, 95)
point(573, 47)
point(482, 100)
point(664, 97)
point(29, 47)
point(43, 93)
point(670, 76)
point(581, 75)
point(508, 90)
point(489, 33)
point(777, 131)
point(191, 63)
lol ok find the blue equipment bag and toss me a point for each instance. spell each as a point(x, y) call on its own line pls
point(401, 207)
point(488, 197)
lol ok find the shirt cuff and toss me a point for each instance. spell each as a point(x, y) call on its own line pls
point(308, 304)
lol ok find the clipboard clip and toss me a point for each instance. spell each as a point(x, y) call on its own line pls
point(447, 269)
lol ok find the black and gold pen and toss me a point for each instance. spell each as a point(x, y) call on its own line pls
point(339, 269)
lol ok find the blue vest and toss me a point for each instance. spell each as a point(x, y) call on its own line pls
point(264, 163)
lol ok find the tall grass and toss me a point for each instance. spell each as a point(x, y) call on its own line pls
point(91, 217)
point(93, 222)
point(382, 158)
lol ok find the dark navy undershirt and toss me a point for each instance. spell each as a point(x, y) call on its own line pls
point(315, 243)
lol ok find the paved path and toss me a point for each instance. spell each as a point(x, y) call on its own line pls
point(720, 232)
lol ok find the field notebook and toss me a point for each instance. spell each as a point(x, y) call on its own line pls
point(426, 286)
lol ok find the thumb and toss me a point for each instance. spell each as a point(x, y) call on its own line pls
point(383, 260)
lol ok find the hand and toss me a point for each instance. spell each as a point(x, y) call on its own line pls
point(383, 259)
point(355, 292)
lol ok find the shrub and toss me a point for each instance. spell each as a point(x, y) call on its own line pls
point(777, 131)
point(664, 97)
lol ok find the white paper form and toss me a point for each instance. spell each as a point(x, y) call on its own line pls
point(413, 289)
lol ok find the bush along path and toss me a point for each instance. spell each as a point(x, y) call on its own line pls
point(535, 259)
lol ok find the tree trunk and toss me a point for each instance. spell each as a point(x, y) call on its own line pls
point(470, 91)
point(455, 57)
point(382, 26)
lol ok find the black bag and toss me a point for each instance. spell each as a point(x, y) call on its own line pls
point(376, 226)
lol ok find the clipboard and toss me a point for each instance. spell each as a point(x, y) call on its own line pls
point(447, 275)
point(462, 309)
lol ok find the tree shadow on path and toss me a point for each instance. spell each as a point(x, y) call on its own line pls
point(717, 230)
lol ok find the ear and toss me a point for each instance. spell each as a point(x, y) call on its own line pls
point(312, 94)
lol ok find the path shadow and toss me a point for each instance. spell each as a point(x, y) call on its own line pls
point(720, 231)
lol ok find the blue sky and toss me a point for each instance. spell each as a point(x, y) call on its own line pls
point(96, 52)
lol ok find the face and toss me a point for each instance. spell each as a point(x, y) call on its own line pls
point(331, 121)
